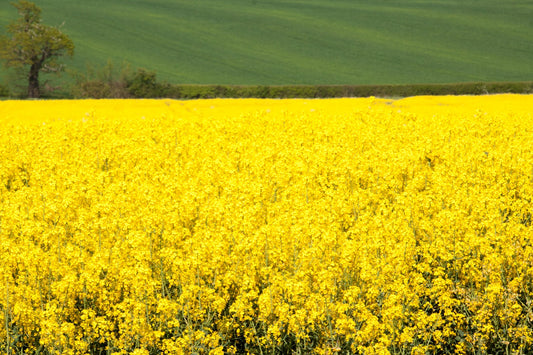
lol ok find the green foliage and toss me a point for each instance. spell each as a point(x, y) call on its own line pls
point(327, 91)
point(106, 82)
point(110, 83)
point(34, 47)
point(144, 85)
point(122, 82)
point(4, 91)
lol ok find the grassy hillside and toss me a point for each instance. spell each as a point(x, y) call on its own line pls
point(302, 41)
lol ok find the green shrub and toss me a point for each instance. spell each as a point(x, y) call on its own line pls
point(144, 85)
point(195, 92)
point(100, 83)
point(95, 89)
point(4, 91)
point(108, 83)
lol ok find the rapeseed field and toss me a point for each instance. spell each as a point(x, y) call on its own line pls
point(350, 226)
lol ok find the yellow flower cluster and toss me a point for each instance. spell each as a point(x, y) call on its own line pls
point(360, 226)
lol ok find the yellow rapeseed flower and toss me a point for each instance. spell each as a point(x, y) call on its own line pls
point(370, 226)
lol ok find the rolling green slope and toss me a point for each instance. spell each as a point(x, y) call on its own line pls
point(302, 41)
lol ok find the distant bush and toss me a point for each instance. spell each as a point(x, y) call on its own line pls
point(109, 82)
point(4, 91)
point(106, 82)
point(143, 84)
point(325, 91)
point(122, 82)
point(203, 91)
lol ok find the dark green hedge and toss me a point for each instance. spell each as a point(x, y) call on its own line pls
point(4, 91)
point(143, 84)
point(324, 91)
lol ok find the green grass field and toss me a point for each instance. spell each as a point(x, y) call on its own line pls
point(301, 41)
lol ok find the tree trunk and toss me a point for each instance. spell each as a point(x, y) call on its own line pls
point(33, 81)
